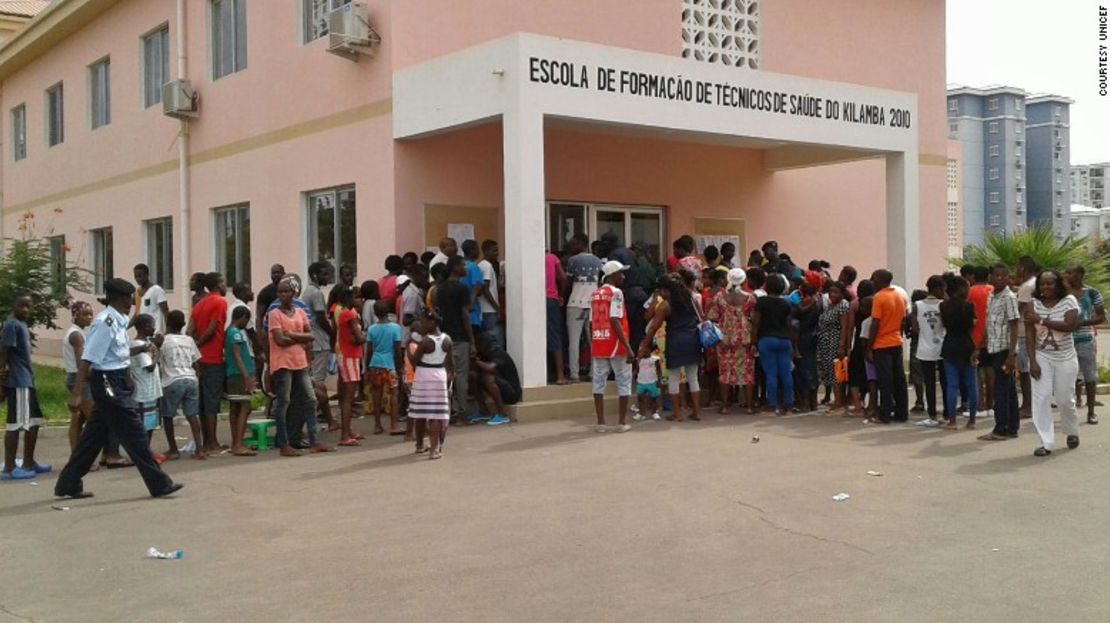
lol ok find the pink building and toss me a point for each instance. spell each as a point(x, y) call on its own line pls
point(820, 125)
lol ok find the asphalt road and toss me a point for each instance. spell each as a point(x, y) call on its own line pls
point(551, 522)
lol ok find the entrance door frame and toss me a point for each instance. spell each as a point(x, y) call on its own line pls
point(591, 209)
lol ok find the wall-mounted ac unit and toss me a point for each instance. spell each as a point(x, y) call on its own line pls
point(349, 32)
point(179, 100)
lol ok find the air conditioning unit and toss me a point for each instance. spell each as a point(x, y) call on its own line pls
point(349, 32)
point(179, 100)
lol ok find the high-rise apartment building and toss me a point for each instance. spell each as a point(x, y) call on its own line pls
point(1014, 155)
point(1088, 184)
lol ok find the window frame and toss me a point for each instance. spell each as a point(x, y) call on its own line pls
point(992, 103)
point(19, 132)
point(242, 260)
point(953, 105)
point(994, 197)
point(153, 96)
point(102, 249)
point(993, 151)
point(992, 173)
point(57, 250)
point(992, 127)
point(239, 50)
point(312, 232)
point(159, 261)
point(49, 125)
point(307, 30)
point(98, 87)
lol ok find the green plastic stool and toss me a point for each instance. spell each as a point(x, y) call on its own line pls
point(259, 437)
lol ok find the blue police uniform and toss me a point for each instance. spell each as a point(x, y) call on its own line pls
point(108, 353)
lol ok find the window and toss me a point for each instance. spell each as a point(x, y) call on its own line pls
point(316, 17)
point(1017, 128)
point(993, 197)
point(229, 37)
point(1018, 198)
point(101, 257)
point(19, 132)
point(156, 65)
point(1017, 175)
point(992, 103)
point(1017, 104)
point(996, 220)
point(1058, 110)
point(992, 127)
point(57, 264)
point(993, 173)
point(953, 128)
point(55, 115)
point(953, 106)
point(233, 243)
point(994, 150)
point(721, 31)
point(100, 93)
point(159, 251)
point(331, 226)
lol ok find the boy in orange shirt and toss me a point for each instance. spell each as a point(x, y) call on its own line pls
point(884, 348)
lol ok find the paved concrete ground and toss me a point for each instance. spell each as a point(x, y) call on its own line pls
point(550, 522)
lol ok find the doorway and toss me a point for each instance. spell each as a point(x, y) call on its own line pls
point(640, 226)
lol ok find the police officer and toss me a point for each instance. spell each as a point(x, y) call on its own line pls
point(104, 365)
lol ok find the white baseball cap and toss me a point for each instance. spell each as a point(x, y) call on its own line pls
point(612, 266)
point(402, 280)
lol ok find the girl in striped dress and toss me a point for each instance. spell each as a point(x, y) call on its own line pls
point(430, 403)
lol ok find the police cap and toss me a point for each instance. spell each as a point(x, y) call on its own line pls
point(118, 287)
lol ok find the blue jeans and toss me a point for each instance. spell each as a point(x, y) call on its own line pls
point(490, 326)
point(286, 382)
point(775, 354)
point(960, 377)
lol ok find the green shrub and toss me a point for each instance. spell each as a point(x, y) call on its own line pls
point(27, 267)
point(1042, 246)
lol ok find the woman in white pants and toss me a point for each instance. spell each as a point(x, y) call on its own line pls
point(1049, 323)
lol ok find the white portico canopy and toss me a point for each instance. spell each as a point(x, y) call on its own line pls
point(524, 79)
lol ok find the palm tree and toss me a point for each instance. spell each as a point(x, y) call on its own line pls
point(1040, 244)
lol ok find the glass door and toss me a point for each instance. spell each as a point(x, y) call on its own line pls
point(634, 226)
point(564, 220)
point(607, 221)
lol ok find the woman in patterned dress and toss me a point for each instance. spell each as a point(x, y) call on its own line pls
point(830, 328)
point(731, 310)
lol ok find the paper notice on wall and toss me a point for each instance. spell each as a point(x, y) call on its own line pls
point(700, 242)
point(460, 231)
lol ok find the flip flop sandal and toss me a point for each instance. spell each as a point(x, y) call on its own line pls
point(350, 442)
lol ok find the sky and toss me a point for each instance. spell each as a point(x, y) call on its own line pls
point(1041, 46)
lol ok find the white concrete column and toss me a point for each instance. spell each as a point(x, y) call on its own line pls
point(524, 244)
point(903, 243)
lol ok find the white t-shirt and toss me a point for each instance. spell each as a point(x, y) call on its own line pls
point(234, 302)
point(177, 356)
point(1025, 295)
point(647, 374)
point(490, 277)
point(69, 356)
point(151, 303)
point(440, 258)
point(930, 330)
point(1056, 345)
point(147, 387)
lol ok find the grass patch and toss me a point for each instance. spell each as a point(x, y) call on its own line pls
point(50, 385)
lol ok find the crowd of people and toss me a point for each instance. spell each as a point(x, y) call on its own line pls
point(424, 347)
point(770, 335)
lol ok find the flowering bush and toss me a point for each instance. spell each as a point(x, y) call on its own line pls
point(28, 267)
